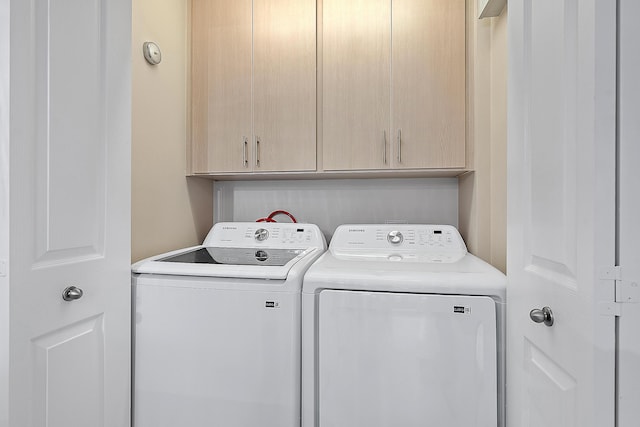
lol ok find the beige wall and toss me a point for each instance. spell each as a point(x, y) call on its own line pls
point(482, 193)
point(169, 211)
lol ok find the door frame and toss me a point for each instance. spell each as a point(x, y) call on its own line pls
point(628, 206)
point(4, 210)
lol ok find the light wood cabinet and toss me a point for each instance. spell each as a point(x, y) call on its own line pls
point(393, 84)
point(221, 85)
point(428, 83)
point(253, 86)
point(284, 79)
point(356, 49)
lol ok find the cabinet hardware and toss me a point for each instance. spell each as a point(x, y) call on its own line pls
point(384, 147)
point(399, 145)
point(257, 151)
point(245, 160)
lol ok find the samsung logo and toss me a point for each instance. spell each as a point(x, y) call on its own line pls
point(356, 230)
point(461, 309)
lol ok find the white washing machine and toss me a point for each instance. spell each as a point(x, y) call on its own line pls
point(402, 327)
point(217, 328)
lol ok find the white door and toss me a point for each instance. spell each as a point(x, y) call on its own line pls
point(69, 213)
point(561, 212)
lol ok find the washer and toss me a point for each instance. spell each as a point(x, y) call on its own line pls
point(217, 328)
point(402, 327)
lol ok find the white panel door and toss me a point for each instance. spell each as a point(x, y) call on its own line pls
point(395, 359)
point(561, 212)
point(70, 213)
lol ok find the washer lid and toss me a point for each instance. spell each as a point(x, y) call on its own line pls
point(223, 262)
point(236, 256)
point(242, 250)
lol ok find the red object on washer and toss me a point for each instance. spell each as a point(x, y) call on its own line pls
point(275, 213)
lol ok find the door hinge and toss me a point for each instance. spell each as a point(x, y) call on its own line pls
point(609, 308)
point(610, 273)
point(627, 290)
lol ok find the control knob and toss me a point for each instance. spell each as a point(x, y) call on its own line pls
point(395, 237)
point(261, 235)
point(262, 255)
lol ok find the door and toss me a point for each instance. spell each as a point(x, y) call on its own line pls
point(356, 73)
point(428, 84)
point(284, 85)
point(398, 359)
point(561, 212)
point(70, 213)
point(221, 85)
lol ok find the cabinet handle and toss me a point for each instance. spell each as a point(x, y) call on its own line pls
point(384, 147)
point(245, 160)
point(257, 151)
point(399, 145)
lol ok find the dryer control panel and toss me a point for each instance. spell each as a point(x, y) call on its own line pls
point(399, 242)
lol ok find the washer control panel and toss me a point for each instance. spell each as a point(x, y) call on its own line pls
point(395, 242)
point(265, 235)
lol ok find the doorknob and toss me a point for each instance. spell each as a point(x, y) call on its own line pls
point(71, 293)
point(539, 316)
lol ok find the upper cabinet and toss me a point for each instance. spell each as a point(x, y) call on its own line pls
point(394, 84)
point(428, 90)
point(221, 85)
point(356, 73)
point(392, 88)
point(284, 84)
point(253, 86)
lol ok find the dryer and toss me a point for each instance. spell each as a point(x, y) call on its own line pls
point(217, 328)
point(402, 327)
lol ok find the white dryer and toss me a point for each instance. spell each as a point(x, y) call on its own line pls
point(217, 328)
point(402, 327)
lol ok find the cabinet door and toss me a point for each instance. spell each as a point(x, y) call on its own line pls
point(284, 84)
point(355, 83)
point(428, 83)
point(221, 85)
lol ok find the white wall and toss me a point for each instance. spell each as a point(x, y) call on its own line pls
point(4, 212)
point(629, 212)
point(329, 203)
